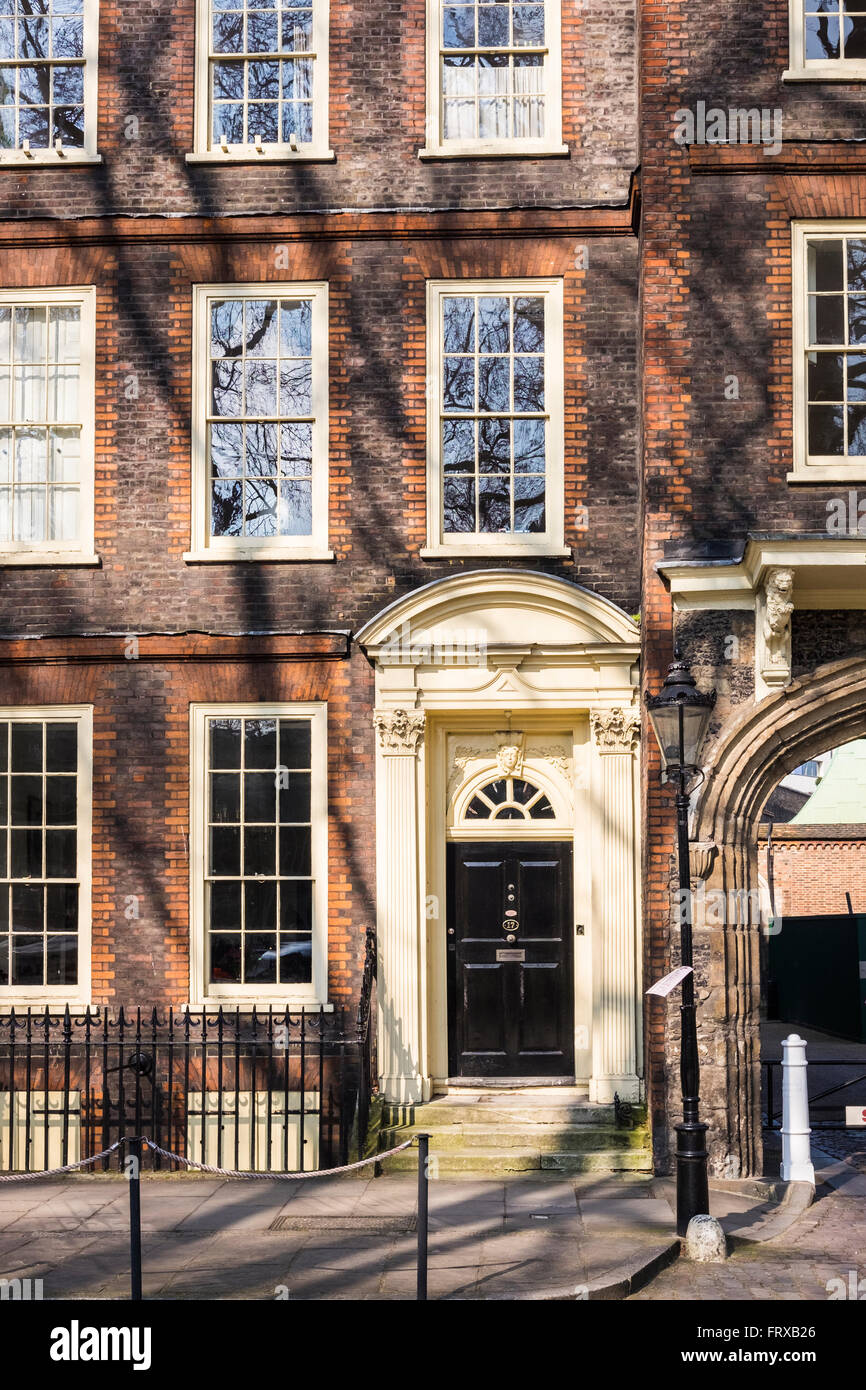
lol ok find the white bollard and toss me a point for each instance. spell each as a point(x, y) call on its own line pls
point(796, 1149)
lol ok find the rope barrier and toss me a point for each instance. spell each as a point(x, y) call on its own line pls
point(205, 1167)
point(134, 1176)
point(315, 1173)
point(67, 1167)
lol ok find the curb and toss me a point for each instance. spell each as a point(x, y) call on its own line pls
point(797, 1198)
point(614, 1286)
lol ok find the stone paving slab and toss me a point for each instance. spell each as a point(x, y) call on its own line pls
point(503, 1238)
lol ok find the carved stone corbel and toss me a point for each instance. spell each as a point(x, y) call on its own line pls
point(773, 608)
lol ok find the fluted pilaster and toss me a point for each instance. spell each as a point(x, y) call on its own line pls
point(399, 917)
point(615, 734)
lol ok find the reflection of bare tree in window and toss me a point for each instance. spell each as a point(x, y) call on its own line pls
point(493, 374)
point(262, 374)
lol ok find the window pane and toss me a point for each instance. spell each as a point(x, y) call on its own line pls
point(260, 850)
point(528, 24)
point(260, 743)
point(225, 952)
point(60, 853)
point(826, 434)
point(27, 960)
point(27, 800)
point(260, 959)
point(822, 37)
point(296, 906)
point(295, 797)
point(27, 744)
point(225, 797)
point(295, 858)
point(260, 906)
point(61, 960)
point(458, 315)
point(61, 748)
point(295, 743)
point(458, 26)
point(225, 851)
point(225, 905)
point(225, 743)
point(260, 796)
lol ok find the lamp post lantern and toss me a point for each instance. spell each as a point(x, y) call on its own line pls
point(679, 715)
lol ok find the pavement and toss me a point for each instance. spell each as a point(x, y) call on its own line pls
point(818, 1256)
point(531, 1236)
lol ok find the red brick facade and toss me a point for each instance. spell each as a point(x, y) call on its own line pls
point(144, 227)
point(716, 277)
point(814, 867)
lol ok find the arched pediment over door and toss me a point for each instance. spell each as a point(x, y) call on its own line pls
point(511, 607)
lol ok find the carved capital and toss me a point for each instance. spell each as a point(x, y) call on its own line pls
point(399, 731)
point(615, 730)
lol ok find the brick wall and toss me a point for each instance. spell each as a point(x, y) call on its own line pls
point(377, 116)
point(141, 784)
point(144, 278)
point(813, 866)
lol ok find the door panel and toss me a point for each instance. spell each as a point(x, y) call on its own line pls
point(510, 1000)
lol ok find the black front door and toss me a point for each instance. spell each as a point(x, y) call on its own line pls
point(509, 960)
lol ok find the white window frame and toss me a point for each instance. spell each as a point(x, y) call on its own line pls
point(465, 543)
point(436, 147)
point(204, 152)
point(815, 70)
point(88, 154)
point(826, 469)
point(204, 993)
point(57, 996)
point(203, 546)
point(79, 551)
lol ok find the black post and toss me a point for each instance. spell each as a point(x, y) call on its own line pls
point(423, 1161)
point(134, 1177)
point(693, 1196)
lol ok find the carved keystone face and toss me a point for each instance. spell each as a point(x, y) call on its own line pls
point(508, 758)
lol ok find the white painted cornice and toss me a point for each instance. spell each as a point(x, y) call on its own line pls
point(828, 573)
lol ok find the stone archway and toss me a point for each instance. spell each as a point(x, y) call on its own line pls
point(797, 723)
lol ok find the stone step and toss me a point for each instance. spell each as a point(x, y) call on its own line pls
point(544, 1139)
point(505, 1112)
point(501, 1162)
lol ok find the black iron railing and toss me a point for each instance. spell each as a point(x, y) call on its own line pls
point(818, 1113)
point(271, 1090)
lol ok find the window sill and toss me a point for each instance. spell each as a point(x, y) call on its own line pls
point(54, 1003)
point(58, 558)
point(251, 156)
point(282, 555)
point(548, 551)
point(822, 474)
point(826, 72)
point(295, 1006)
point(494, 151)
point(47, 159)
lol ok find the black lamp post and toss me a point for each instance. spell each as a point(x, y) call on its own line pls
point(680, 714)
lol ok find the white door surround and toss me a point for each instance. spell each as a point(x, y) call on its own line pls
point(480, 675)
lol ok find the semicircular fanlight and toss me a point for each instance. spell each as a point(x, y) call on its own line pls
point(510, 798)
